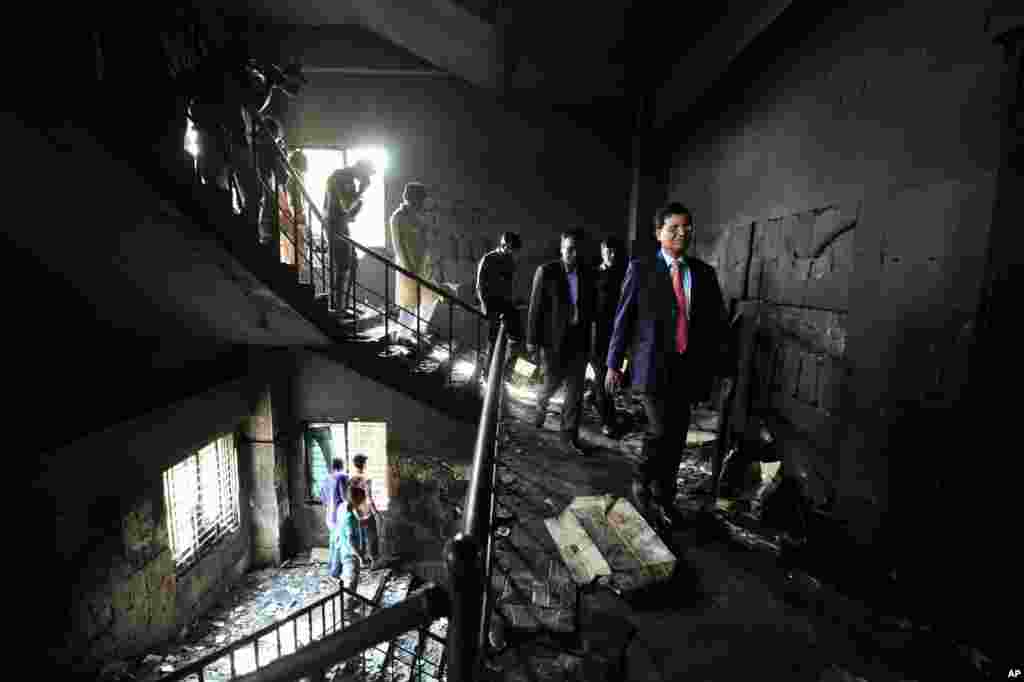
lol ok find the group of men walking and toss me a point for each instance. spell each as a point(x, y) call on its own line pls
point(663, 314)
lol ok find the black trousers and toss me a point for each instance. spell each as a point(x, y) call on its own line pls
point(668, 419)
point(344, 259)
point(568, 367)
point(496, 312)
point(605, 401)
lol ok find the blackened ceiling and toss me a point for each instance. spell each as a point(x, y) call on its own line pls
point(593, 62)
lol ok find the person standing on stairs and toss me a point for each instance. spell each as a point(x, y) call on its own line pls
point(346, 539)
point(609, 277)
point(561, 309)
point(333, 492)
point(293, 216)
point(369, 544)
point(496, 290)
point(268, 147)
point(342, 203)
point(415, 252)
point(672, 321)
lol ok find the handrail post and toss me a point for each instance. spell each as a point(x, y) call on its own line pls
point(276, 238)
point(332, 300)
point(468, 565)
point(451, 339)
point(462, 555)
point(478, 370)
point(387, 301)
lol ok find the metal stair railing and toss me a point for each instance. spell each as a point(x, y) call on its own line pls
point(390, 270)
point(372, 630)
point(470, 553)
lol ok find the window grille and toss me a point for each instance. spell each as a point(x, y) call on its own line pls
point(201, 495)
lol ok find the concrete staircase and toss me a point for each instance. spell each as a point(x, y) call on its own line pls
point(434, 371)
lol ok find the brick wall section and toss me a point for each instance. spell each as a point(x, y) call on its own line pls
point(125, 596)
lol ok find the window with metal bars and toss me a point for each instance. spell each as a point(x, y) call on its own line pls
point(201, 495)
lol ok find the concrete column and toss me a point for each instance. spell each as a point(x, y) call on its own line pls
point(995, 331)
point(650, 163)
point(258, 439)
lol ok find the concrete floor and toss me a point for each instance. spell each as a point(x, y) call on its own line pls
point(730, 612)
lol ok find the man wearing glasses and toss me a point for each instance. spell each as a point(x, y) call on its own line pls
point(672, 321)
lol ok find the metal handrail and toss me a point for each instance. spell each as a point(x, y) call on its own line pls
point(198, 666)
point(417, 610)
point(468, 554)
point(351, 242)
point(444, 297)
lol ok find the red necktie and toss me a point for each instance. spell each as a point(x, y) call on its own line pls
point(677, 285)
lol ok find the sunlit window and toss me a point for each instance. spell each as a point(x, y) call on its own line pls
point(370, 226)
point(201, 499)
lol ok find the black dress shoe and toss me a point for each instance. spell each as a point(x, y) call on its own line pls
point(538, 419)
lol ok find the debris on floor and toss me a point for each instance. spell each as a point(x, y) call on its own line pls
point(600, 535)
point(259, 599)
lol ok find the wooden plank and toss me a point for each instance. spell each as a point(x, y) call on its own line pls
point(579, 552)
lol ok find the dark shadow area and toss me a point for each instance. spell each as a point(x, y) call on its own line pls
point(682, 590)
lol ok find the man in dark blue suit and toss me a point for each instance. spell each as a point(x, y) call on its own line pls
point(671, 319)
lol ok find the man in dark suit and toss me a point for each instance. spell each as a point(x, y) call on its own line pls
point(608, 289)
point(559, 327)
point(671, 319)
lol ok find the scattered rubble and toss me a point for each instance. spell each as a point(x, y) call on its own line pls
point(261, 598)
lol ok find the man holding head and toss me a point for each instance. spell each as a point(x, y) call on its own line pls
point(561, 309)
point(342, 203)
point(672, 320)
